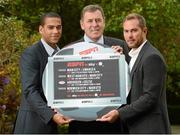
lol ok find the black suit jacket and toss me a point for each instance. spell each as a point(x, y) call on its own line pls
point(146, 111)
point(34, 115)
point(97, 127)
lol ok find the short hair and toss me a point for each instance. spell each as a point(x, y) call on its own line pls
point(92, 8)
point(140, 18)
point(47, 15)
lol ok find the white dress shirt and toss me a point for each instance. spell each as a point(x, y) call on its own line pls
point(100, 40)
point(48, 48)
point(134, 52)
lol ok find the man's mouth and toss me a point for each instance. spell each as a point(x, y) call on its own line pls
point(130, 41)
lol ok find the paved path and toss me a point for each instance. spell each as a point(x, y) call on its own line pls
point(175, 129)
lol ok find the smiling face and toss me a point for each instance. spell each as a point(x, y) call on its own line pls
point(134, 35)
point(93, 24)
point(51, 30)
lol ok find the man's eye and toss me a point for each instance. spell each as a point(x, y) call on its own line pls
point(134, 30)
point(90, 21)
point(125, 31)
point(50, 27)
point(98, 20)
point(59, 27)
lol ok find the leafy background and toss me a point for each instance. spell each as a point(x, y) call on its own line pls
point(19, 20)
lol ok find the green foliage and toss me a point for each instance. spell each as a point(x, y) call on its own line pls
point(163, 21)
point(13, 39)
point(30, 11)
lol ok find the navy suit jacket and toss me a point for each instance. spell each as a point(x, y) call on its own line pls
point(34, 115)
point(146, 111)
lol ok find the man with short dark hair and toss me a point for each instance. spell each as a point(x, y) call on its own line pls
point(34, 116)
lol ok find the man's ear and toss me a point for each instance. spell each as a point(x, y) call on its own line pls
point(40, 29)
point(145, 30)
point(81, 24)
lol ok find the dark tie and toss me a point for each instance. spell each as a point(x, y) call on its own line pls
point(55, 51)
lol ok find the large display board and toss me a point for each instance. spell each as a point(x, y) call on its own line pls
point(85, 87)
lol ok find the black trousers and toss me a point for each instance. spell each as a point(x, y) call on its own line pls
point(97, 127)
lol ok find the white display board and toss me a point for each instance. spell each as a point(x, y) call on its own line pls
point(86, 80)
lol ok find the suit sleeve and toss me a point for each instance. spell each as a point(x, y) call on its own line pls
point(126, 51)
point(114, 41)
point(150, 87)
point(31, 85)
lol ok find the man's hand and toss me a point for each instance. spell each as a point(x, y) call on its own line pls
point(117, 49)
point(60, 119)
point(111, 117)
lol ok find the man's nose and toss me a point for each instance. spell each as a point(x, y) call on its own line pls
point(94, 23)
point(56, 30)
point(130, 34)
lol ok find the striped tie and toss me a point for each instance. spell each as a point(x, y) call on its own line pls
point(55, 51)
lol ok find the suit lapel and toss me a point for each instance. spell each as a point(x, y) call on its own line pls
point(141, 53)
point(106, 41)
point(44, 54)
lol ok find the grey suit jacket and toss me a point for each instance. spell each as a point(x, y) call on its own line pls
point(146, 111)
point(34, 115)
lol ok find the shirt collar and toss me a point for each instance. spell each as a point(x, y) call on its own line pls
point(48, 48)
point(100, 40)
point(135, 51)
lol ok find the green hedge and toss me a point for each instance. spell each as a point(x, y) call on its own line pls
point(14, 37)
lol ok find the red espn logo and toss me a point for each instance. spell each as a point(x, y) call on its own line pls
point(88, 51)
point(75, 64)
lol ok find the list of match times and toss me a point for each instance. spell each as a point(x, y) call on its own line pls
point(86, 79)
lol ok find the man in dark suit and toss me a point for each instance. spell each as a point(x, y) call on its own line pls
point(34, 115)
point(146, 111)
point(93, 23)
